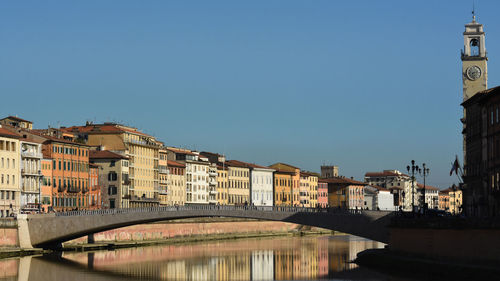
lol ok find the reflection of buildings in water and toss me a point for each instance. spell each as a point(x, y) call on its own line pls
point(262, 265)
point(322, 257)
point(8, 269)
point(305, 259)
point(201, 269)
point(259, 259)
point(174, 270)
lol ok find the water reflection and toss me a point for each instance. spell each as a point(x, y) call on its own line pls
point(288, 258)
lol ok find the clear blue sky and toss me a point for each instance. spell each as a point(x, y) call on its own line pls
point(366, 85)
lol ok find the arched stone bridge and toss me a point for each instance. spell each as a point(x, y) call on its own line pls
point(50, 230)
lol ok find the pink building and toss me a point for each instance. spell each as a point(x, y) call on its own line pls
point(322, 193)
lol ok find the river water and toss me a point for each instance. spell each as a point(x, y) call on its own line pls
point(282, 258)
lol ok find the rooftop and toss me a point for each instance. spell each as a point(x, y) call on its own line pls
point(171, 163)
point(386, 173)
point(105, 154)
point(16, 118)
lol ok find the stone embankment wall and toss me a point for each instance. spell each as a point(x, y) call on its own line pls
point(188, 228)
point(8, 233)
point(462, 245)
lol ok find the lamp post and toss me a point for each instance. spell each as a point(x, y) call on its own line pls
point(424, 172)
point(413, 168)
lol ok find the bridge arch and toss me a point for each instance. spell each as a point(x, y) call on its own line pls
point(50, 230)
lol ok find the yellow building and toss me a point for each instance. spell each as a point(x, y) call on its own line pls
point(309, 189)
point(17, 122)
point(222, 185)
point(141, 149)
point(345, 193)
point(288, 185)
point(455, 196)
point(176, 179)
point(239, 182)
point(10, 173)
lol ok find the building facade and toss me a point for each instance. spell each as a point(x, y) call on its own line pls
point(197, 174)
point(261, 185)
point(431, 196)
point(70, 173)
point(345, 193)
point(176, 181)
point(141, 149)
point(94, 190)
point(10, 173)
point(378, 198)
point(403, 189)
point(481, 188)
point(163, 174)
point(322, 193)
point(239, 182)
point(222, 185)
point(46, 187)
point(289, 184)
point(31, 175)
point(113, 178)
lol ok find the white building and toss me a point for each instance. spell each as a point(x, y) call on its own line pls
point(197, 175)
point(400, 184)
point(262, 265)
point(378, 198)
point(31, 175)
point(261, 185)
point(431, 196)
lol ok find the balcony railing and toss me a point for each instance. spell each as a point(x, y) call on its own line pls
point(31, 172)
point(31, 154)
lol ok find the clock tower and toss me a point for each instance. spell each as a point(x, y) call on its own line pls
point(474, 68)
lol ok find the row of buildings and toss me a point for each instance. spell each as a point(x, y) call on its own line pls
point(115, 166)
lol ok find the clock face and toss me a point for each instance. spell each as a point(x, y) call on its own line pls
point(473, 72)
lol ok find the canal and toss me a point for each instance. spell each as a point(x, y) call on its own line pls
point(282, 258)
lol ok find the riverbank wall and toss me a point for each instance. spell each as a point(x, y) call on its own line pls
point(178, 229)
point(188, 228)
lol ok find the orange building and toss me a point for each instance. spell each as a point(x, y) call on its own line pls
point(286, 185)
point(70, 173)
point(46, 188)
point(94, 190)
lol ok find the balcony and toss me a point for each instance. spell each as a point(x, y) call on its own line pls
point(28, 154)
point(31, 172)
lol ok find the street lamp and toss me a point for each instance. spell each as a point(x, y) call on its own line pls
point(424, 172)
point(413, 168)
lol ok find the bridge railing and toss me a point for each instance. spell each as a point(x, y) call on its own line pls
point(287, 209)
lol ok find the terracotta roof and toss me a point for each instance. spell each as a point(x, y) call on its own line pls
point(54, 139)
point(102, 128)
point(427, 187)
point(171, 163)
point(378, 187)
point(279, 164)
point(105, 154)
point(16, 118)
point(340, 180)
point(6, 133)
point(384, 174)
point(309, 174)
point(180, 151)
point(236, 163)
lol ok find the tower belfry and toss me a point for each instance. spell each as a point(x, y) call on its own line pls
point(474, 58)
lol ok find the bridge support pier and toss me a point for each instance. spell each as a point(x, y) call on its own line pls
point(23, 232)
point(90, 239)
